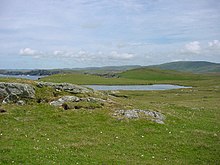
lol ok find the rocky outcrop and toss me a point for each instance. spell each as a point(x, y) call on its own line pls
point(13, 92)
point(93, 99)
point(138, 113)
point(66, 99)
point(67, 87)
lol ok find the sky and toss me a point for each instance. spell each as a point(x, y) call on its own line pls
point(90, 33)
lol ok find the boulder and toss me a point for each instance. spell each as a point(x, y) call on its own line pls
point(11, 98)
point(12, 92)
point(64, 99)
point(137, 113)
point(93, 99)
point(69, 99)
point(67, 87)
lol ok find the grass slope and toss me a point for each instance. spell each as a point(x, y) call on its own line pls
point(190, 66)
point(78, 78)
point(158, 75)
point(135, 76)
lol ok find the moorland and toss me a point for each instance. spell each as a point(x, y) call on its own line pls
point(89, 133)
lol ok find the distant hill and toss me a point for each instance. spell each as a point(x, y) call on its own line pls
point(190, 66)
point(111, 71)
point(106, 69)
point(156, 74)
point(89, 70)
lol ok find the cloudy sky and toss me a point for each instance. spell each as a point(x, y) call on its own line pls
point(80, 33)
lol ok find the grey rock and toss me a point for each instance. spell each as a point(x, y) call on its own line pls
point(93, 99)
point(137, 113)
point(21, 102)
point(130, 114)
point(11, 92)
point(71, 88)
point(64, 99)
point(11, 98)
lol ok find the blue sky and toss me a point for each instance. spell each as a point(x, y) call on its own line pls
point(80, 33)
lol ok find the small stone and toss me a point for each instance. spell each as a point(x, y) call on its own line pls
point(20, 102)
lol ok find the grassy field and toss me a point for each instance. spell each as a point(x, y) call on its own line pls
point(84, 79)
point(135, 76)
point(41, 134)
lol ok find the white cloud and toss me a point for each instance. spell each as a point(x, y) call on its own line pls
point(58, 52)
point(30, 52)
point(120, 56)
point(27, 51)
point(193, 47)
point(215, 44)
point(80, 56)
point(92, 56)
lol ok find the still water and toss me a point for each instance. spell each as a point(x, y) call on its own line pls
point(136, 87)
point(22, 76)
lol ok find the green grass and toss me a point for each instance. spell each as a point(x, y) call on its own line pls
point(135, 76)
point(84, 79)
point(158, 75)
point(41, 134)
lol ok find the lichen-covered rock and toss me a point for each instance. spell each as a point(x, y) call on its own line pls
point(93, 99)
point(71, 88)
point(64, 99)
point(11, 98)
point(130, 114)
point(12, 92)
point(137, 113)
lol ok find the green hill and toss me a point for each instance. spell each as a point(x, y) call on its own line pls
point(190, 66)
point(158, 75)
point(134, 76)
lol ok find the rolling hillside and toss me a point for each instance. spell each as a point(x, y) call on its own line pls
point(190, 66)
point(158, 75)
point(134, 76)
